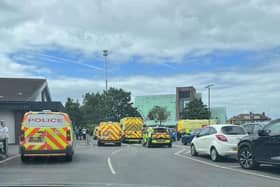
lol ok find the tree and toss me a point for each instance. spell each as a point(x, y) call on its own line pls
point(107, 106)
point(118, 104)
point(73, 110)
point(158, 114)
point(195, 110)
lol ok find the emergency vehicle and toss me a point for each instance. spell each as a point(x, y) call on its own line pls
point(45, 134)
point(157, 136)
point(132, 128)
point(109, 132)
point(186, 126)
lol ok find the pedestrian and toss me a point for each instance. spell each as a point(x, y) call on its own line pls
point(84, 133)
point(77, 132)
point(80, 133)
point(4, 132)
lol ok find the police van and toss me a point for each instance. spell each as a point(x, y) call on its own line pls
point(46, 134)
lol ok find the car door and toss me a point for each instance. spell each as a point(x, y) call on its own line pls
point(201, 140)
point(267, 147)
point(209, 139)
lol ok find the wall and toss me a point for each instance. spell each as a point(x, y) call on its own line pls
point(9, 118)
point(145, 103)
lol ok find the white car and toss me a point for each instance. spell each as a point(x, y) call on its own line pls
point(217, 141)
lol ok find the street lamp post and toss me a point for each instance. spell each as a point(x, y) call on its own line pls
point(209, 108)
point(105, 54)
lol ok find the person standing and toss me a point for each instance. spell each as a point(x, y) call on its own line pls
point(5, 135)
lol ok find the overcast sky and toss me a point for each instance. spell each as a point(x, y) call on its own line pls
point(154, 46)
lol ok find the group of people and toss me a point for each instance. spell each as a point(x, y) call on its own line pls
point(4, 135)
point(81, 133)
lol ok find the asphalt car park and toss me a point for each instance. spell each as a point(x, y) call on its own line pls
point(231, 163)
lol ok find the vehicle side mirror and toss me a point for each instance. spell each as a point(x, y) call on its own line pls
point(197, 135)
point(263, 133)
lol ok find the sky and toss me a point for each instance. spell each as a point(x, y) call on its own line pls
point(153, 47)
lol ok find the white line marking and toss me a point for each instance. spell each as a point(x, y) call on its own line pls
point(10, 158)
point(110, 166)
point(223, 167)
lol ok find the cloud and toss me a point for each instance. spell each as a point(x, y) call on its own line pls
point(153, 29)
point(238, 91)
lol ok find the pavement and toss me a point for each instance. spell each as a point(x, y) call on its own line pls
point(134, 165)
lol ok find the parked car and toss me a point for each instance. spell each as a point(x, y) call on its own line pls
point(217, 141)
point(253, 128)
point(187, 138)
point(263, 148)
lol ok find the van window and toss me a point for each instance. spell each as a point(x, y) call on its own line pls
point(160, 130)
point(45, 120)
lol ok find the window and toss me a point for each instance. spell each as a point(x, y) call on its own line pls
point(274, 128)
point(212, 130)
point(233, 130)
point(249, 128)
point(257, 128)
point(204, 132)
point(184, 94)
point(160, 130)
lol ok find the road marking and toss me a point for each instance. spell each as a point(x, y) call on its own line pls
point(10, 158)
point(110, 166)
point(178, 153)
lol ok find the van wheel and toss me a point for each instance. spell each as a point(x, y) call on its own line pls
point(23, 158)
point(214, 155)
point(69, 158)
point(119, 144)
point(193, 150)
point(99, 143)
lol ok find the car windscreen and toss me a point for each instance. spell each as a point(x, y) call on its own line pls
point(160, 130)
point(233, 130)
point(45, 120)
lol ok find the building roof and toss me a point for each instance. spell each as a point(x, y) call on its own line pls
point(250, 117)
point(22, 89)
point(31, 106)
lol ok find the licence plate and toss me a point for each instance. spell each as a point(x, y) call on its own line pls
point(35, 139)
point(161, 140)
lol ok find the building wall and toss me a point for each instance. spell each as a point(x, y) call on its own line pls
point(183, 96)
point(145, 103)
point(220, 114)
point(9, 118)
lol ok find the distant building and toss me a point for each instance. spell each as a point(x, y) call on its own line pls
point(220, 114)
point(18, 96)
point(145, 103)
point(249, 118)
point(184, 95)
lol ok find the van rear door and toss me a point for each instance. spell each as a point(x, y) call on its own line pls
point(44, 131)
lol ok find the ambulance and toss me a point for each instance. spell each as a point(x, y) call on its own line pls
point(132, 128)
point(46, 134)
point(109, 132)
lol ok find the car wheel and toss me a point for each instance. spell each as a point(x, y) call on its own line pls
point(246, 158)
point(170, 145)
point(193, 150)
point(214, 155)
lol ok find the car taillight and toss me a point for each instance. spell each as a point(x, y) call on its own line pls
point(221, 137)
point(22, 138)
point(68, 135)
